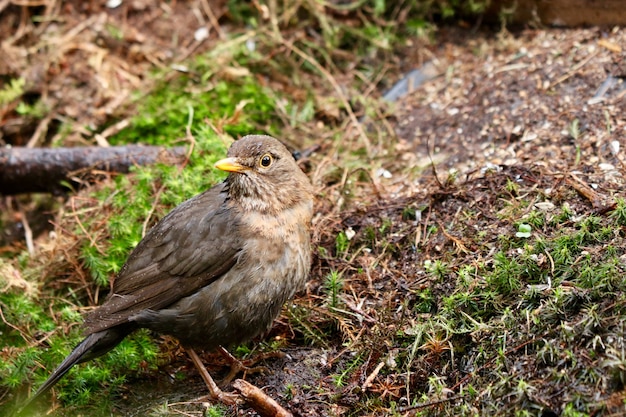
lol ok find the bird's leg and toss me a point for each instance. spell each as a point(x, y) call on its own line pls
point(216, 393)
point(237, 366)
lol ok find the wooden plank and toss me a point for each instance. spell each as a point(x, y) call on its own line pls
point(562, 13)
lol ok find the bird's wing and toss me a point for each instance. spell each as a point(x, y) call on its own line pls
point(193, 245)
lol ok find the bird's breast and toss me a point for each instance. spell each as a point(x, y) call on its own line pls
point(280, 226)
point(270, 268)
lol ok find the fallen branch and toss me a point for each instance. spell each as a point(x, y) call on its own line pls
point(25, 170)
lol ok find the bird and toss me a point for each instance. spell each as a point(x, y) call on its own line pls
point(218, 268)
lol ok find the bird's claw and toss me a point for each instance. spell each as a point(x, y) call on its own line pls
point(237, 366)
point(226, 398)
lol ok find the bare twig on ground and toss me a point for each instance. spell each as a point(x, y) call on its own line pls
point(261, 402)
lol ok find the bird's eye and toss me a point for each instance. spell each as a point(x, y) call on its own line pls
point(266, 160)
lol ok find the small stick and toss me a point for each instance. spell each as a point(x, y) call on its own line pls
point(372, 376)
point(572, 71)
point(28, 235)
point(260, 401)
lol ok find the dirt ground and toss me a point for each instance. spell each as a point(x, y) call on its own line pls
point(543, 108)
point(512, 101)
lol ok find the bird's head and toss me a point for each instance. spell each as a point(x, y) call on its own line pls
point(263, 175)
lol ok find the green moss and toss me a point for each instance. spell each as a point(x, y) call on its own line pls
point(506, 274)
point(333, 285)
point(619, 214)
point(12, 91)
point(162, 117)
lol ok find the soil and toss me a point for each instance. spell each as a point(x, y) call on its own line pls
point(544, 107)
point(512, 100)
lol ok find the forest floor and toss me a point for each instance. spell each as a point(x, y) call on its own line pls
point(470, 235)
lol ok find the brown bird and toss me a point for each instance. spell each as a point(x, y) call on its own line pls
point(218, 268)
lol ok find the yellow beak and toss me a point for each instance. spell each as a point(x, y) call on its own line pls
point(230, 165)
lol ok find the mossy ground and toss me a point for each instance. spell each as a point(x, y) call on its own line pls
point(496, 292)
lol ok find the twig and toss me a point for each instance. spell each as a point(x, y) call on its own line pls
point(82, 228)
point(372, 376)
point(190, 137)
point(11, 325)
point(551, 261)
point(214, 22)
point(432, 165)
point(30, 3)
point(458, 242)
point(511, 67)
point(28, 235)
point(585, 190)
point(101, 138)
point(418, 231)
point(41, 130)
point(572, 71)
point(366, 317)
point(264, 405)
point(144, 228)
point(428, 404)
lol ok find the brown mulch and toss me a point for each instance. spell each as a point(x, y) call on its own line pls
point(514, 99)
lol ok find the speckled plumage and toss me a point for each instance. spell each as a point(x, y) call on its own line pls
point(218, 268)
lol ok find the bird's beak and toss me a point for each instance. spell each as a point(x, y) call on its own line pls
point(230, 165)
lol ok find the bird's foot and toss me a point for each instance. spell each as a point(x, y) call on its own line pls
point(226, 398)
point(246, 366)
point(216, 393)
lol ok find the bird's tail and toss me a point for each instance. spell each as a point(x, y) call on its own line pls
point(94, 345)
